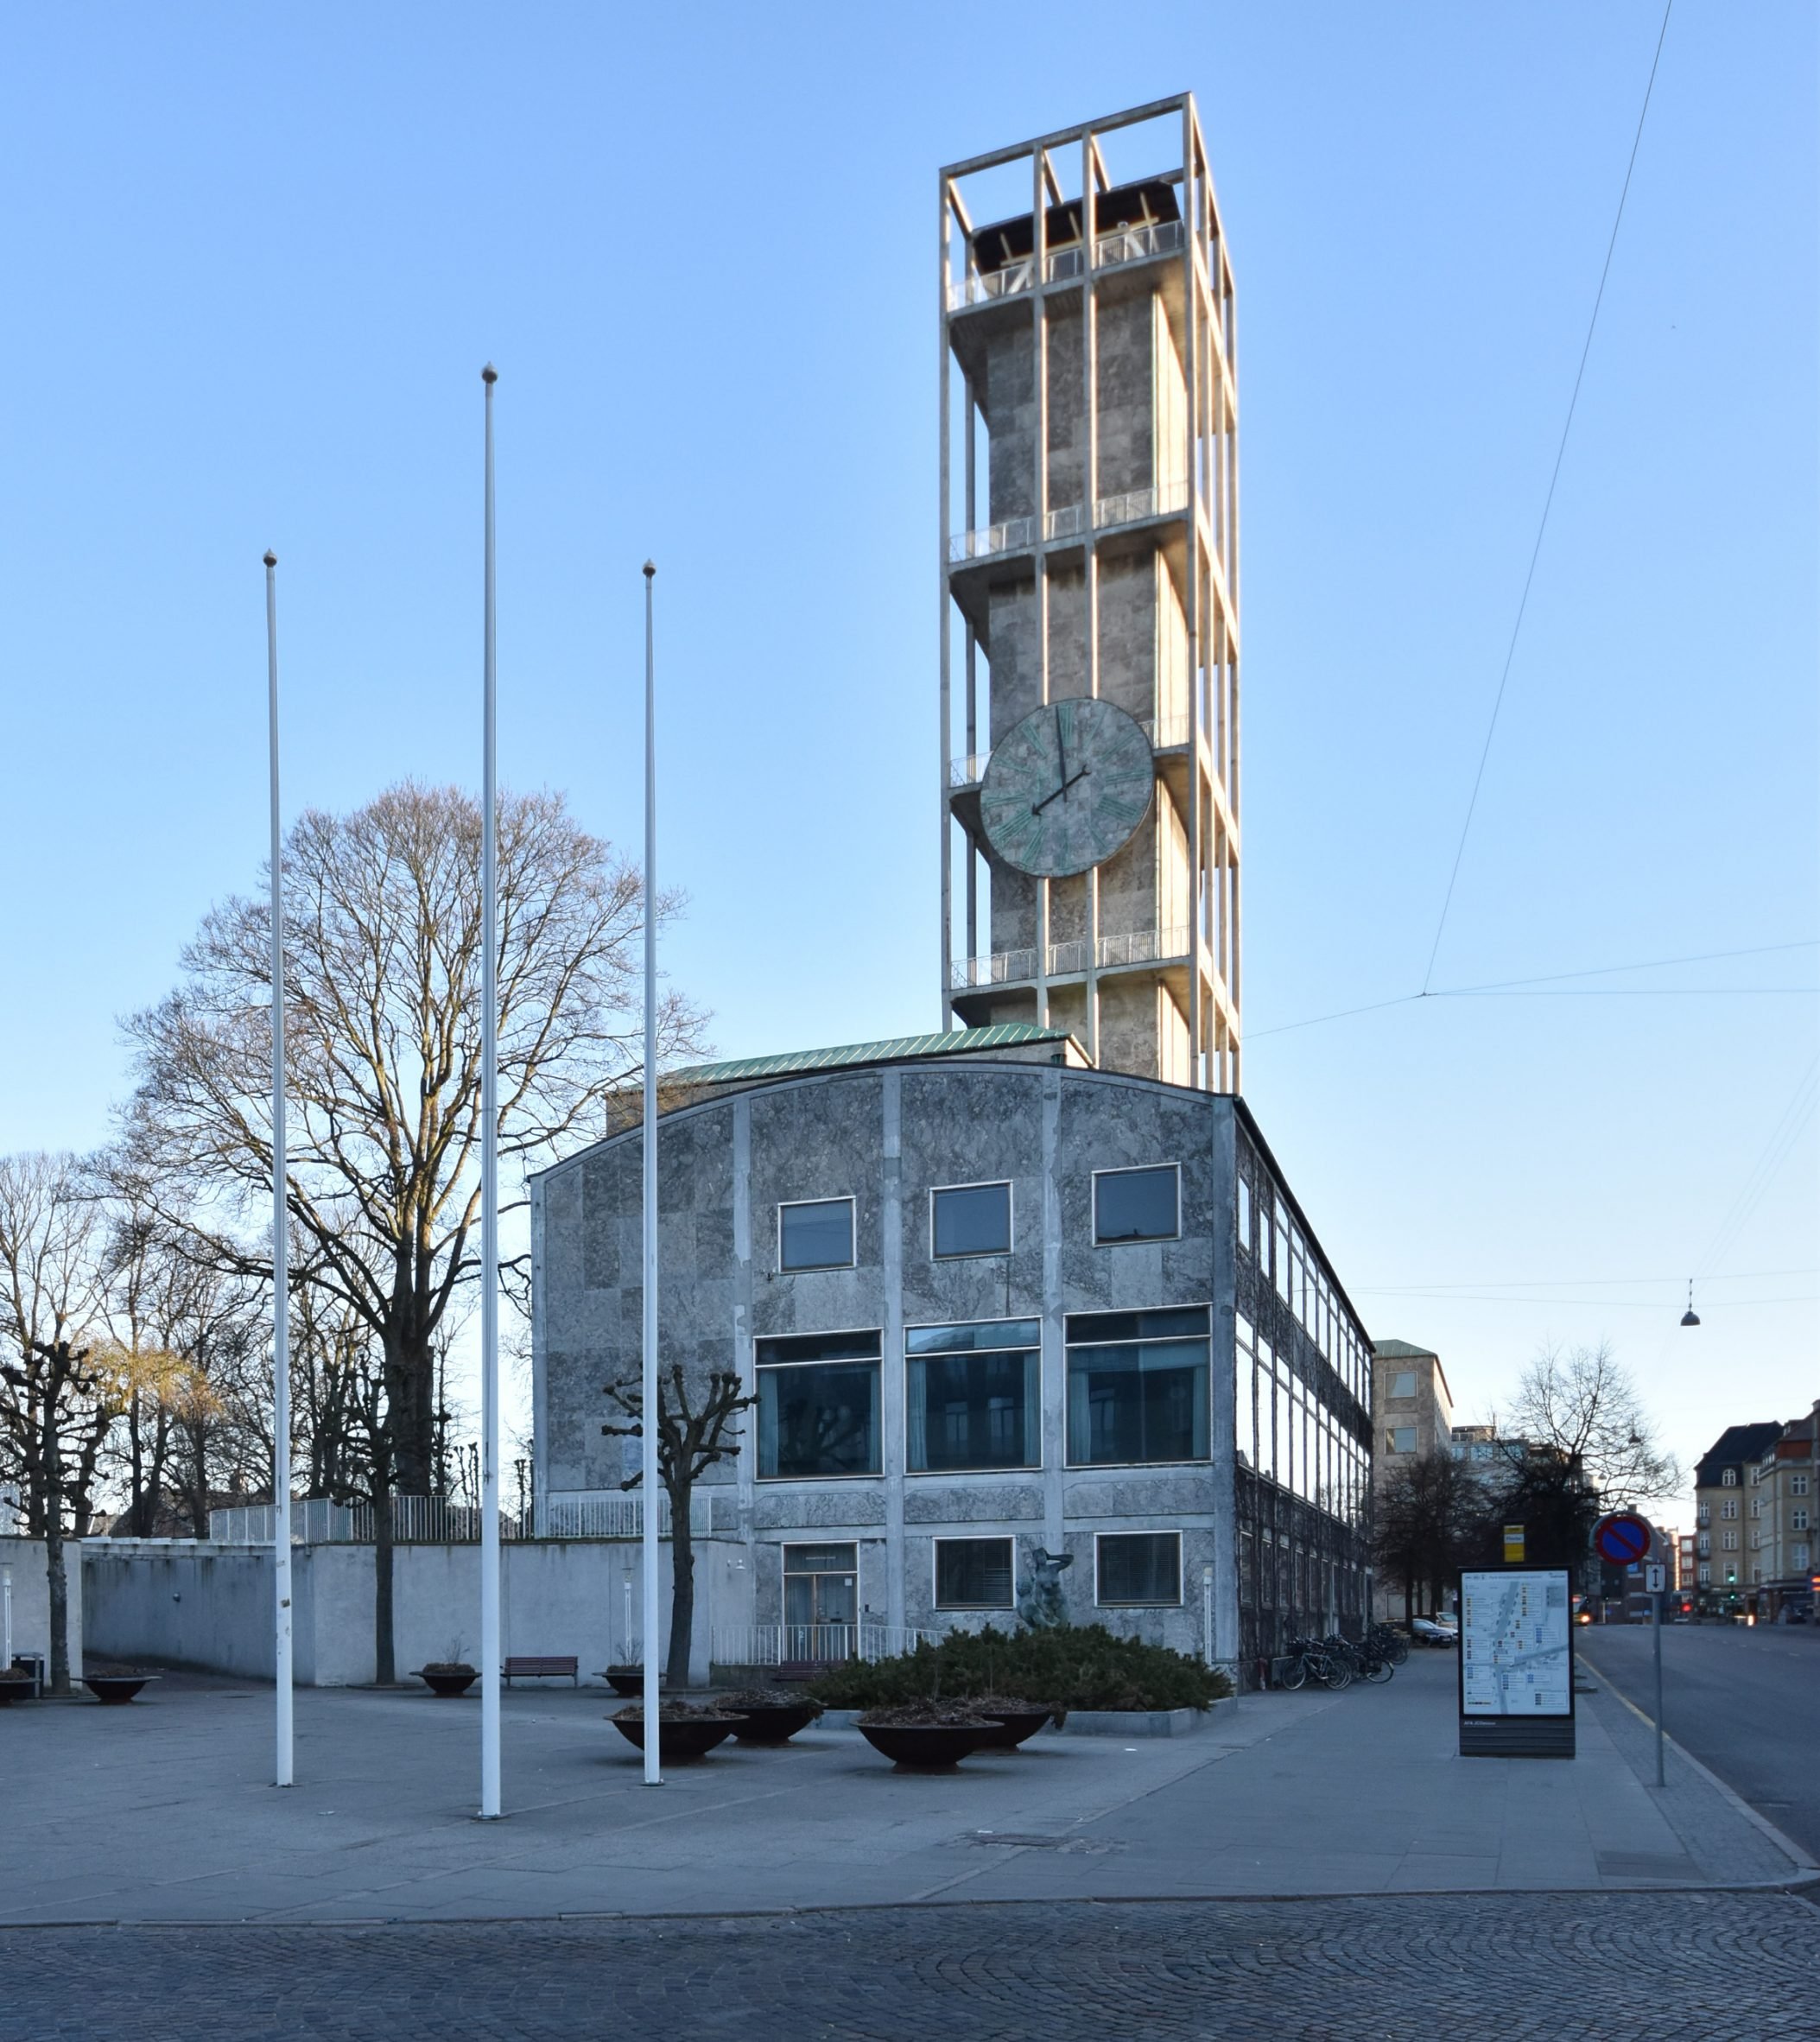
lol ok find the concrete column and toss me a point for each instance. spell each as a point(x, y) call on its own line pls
point(1055, 1362)
point(890, 1401)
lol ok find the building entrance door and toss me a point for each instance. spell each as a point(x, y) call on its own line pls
point(821, 1598)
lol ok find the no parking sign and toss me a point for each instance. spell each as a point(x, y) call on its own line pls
point(1622, 1538)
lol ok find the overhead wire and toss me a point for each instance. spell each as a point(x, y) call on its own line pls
point(1547, 505)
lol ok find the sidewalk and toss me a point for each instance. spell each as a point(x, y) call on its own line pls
point(159, 1813)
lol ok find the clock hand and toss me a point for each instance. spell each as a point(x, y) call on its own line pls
point(1037, 808)
point(1061, 748)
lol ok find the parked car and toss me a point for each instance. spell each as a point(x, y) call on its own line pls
point(1426, 1631)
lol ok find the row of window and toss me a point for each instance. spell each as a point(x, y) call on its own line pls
point(968, 1220)
point(1271, 1238)
point(1285, 1432)
point(1131, 1571)
point(1136, 1395)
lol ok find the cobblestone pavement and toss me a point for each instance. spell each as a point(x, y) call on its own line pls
point(1645, 1967)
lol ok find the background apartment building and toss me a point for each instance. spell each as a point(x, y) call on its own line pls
point(1721, 1476)
point(1412, 1414)
point(1781, 1547)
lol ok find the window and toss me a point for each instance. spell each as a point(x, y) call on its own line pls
point(1729, 1542)
point(1403, 1384)
point(1136, 1204)
point(1729, 1479)
point(969, 1219)
point(818, 1405)
point(1706, 1543)
point(1728, 1509)
point(1797, 1485)
point(1800, 1558)
point(1245, 1216)
point(1401, 1439)
point(1798, 1522)
point(817, 1234)
point(821, 1586)
point(1245, 1394)
point(1706, 1577)
point(974, 1573)
point(1137, 1386)
point(1138, 1569)
point(1279, 1267)
point(973, 1394)
point(1703, 1515)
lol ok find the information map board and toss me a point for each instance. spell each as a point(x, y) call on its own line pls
point(1516, 1664)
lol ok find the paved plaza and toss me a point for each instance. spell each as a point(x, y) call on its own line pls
point(1585, 1968)
point(160, 1813)
point(1304, 1866)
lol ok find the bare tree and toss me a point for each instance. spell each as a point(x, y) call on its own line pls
point(691, 1438)
point(1426, 1524)
point(383, 1040)
point(59, 1387)
point(1581, 1403)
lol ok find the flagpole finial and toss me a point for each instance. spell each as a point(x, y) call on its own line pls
point(650, 568)
point(271, 558)
point(489, 374)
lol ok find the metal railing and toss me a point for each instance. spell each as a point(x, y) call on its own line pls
point(1119, 245)
point(820, 1645)
point(437, 1521)
point(1015, 534)
point(1112, 952)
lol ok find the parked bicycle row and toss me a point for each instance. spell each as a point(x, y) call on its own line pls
point(1336, 1662)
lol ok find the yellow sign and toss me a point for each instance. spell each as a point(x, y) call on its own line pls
point(1513, 1545)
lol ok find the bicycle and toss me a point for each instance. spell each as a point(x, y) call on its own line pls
point(1309, 1656)
point(1390, 1642)
point(1367, 1659)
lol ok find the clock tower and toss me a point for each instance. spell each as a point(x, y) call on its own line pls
point(1089, 597)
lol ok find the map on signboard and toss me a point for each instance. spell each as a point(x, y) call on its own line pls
point(1515, 1651)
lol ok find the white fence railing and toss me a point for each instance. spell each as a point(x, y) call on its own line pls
point(820, 1645)
point(1069, 521)
point(437, 1521)
point(1121, 244)
point(1113, 953)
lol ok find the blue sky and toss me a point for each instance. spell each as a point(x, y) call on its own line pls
point(255, 261)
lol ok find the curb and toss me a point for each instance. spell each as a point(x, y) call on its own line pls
point(1802, 1861)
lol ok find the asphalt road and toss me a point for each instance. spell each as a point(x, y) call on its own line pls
point(1686, 1967)
point(1744, 1702)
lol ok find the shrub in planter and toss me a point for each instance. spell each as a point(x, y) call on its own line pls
point(116, 1685)
point(16, 1685)
point(448, 1677)
point(926, 1736)
point(1013, 1718)
point(1070, 1666)
point(684, 1730)
point(769, 1715)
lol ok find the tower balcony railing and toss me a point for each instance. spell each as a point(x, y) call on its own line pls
point(1017, 535)
point(1166, 733)
point(1136, 948)
point(1118, 246)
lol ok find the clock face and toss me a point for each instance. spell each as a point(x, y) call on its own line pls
point(1066, 787)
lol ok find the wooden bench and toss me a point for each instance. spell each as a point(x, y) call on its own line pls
point(545, 1666)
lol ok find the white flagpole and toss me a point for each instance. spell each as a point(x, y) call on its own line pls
point(489, 1180)
point(647, 1427)
point(281, 1241)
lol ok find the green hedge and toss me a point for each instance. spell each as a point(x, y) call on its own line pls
point(1073, 1666)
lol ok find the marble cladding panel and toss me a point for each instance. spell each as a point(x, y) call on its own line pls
point(925, 1503)
point(1144, 1493)
point(829, 1510)
point(965, 1127)
point(611, 1179)
point(1008, 399)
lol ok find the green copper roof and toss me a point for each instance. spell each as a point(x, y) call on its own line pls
point(959, 1042)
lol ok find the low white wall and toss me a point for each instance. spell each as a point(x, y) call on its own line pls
point(194, 1603)
point(23, 1562)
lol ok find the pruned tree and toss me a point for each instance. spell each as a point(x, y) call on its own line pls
point(382, 958)
point(1428, 1523)
point(60, 1385)
point(1549, 1494)
point(693, 1434)
point(1582, 1403)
